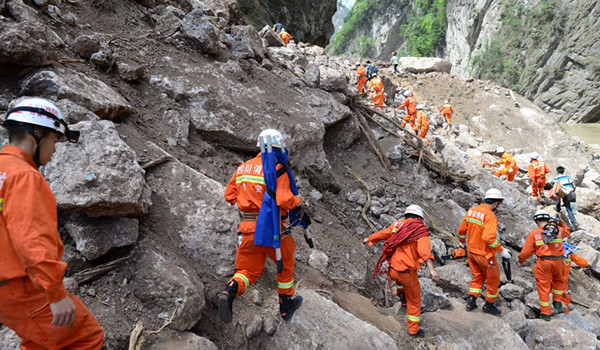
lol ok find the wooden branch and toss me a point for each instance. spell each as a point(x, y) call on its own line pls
point(155, 162)
point(136, 336)
point(349, 282)
point(580, 303)
point(368, 202)
point(514, 98)
point(93, 272)
point(437, 228)
point(366, 130)
point(164, 325)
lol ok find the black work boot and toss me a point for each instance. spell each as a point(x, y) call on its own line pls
point(226, 301)
point(471, 303)
point(287, 305)
point(545, 317)
point(419, 334)
point(402, 298)
point(558, 307)
point(491, 309)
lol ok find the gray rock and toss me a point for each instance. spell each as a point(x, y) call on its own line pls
point(332, 80)
point(86, 45)
point(130, 72)
point(164, 281)
point(146, 3)
point(357, 196)
point(316, 195)
point(67, 84)
point(344, 330)
point(312, 75)
point(247, 35)
point(102, 59)
point(270, 324)
point(424, 65)
point(255, 296)
point(454, 279)
point(532, 301)
point(589, 322)
point(518, 306)
point(201, 32)
point(71, 284)
point(271, 37)
point(267, 64)
point(254, 327)
point(95, 237)
point(437, 247)
point(558, 334)
point(9, 339)
point(182, 341)
point(396, 155)
point(208, 224)
point(41, 47)
point(511, 291)
point(104, 178)
point(433, 297)
point(588, 202)
point(319, 260)
point(591, 255)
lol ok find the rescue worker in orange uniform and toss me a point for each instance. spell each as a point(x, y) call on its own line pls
point(447, 111)
point(377, 91)
point(570, 258)
point(404, 264)
point(422, 124)
point(285, 36)
point(361, 78)
point(33, 300)
point(537, 174)
point(480, 225)
point(510, 168)
point(546, 241)
point(411, 110)
point(246, 189)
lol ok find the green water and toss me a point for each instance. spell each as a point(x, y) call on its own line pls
point(588, 132)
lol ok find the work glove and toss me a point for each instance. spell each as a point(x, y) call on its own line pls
point(462, 245)
point(506, 253)
point(510, 170)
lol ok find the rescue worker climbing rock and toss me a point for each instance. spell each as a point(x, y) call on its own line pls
point(537, 174)
point(246, 189)
point(407, 247)
point(285, 36)
point(411, 110)
point(447, 111)
point(33, 300)
point(361, 78)
point(480, 225)
point(422, 124)
point(570, 258)
point(546, 241)
point(377, 91)
point(567, 183)
point(509, 164)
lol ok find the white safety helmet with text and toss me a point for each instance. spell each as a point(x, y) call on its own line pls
point(415, 210)
point(420, 107)
point(277, 139)
point(541, 215)
point(407, 93)
point(500, 149)
point(494, 193)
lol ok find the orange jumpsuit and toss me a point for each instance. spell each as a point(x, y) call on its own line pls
point(481, 224)
point(377, 95)
point(422, 125)
point(286, 37)
point(510, 167)
point(447, 111)
point(548, 272)
point(537, 174)
point(411, 110)
point(361, 78)
point(405, 262)
point(566, 296)
point(31, 270)
point(247, 188)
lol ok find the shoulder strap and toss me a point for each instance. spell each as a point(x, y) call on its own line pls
point(280, 172)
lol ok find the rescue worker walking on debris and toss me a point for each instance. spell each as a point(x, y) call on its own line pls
point(370, 69)
point(411, 110)
point(394, 61)
point(480, 225)
point(422, 124)
point(361, 78)
point(509, 164)
point(567, 183)
point(377, 91)
point(277, 27)
point(285, 36)
point(33, 300)
point(407, 246)
point(537, 174)
point(570, 257)
point(447, 111)
point(546, 241)
point(246, 189)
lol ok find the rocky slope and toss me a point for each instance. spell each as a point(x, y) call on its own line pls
point(169, 98)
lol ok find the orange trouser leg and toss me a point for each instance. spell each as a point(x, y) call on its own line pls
point(504, 171)
point(361, 85)
point(537, 186)
point(448, 118)
point(250, 264)
point(412, 292)
point(548, 276)
point(379, 100)
point(25, 310)
point(409, 118)
point(511, 176)
point(423, 132)
point(484, 270)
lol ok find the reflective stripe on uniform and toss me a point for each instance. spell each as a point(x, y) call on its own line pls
point(287, 285)
point(544, 303)
point(556, 240)
point(554, 291)
point(475, 221)
point(244, 278)
point(493, 245)
point(459, 236)
point(474, 290)
point(251, 179)
point(413, 318)
point(539, 242)
point(1, 203)
point(491, 295)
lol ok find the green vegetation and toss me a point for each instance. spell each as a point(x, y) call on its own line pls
point(426, 28)
point(526, 32)
point(366, 47)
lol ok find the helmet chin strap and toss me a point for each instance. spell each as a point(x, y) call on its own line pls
point(36, 154)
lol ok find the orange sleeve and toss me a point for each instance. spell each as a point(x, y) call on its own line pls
point(531, 172)
point(31, 221)
point(564, 229)
point(381, 235)
point(528, 248)
point(284, 196)
point(441, 109)
point(404, 104)
point(424, 249)
point(489, 233)
point(231, 191)
point(462, 231)
point(451, 109)
point(579, 261)
point(546, 169)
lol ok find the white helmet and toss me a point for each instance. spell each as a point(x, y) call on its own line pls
point(535, 155)
point(277, 139)
point(357, 64)
point(407, 93)
point(420, 107)
point(40, 112)
point(494, 193)
point(500, 149)
point(446, 101)
point(415, 210)
point(541, 215)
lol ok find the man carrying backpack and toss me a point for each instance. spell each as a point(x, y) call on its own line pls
point(370, 69)
point(567, 183)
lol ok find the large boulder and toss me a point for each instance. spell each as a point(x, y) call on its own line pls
point(271, 37)
point(182, 341)
point(80, 88)
point(342, 329)
point(591, 255)
point(557, 334)
point(86, 45)
point(95, 237)
point(208, 224)
point(424, 65)
point(588, 201)
point(40, 48)
point(332, 80)
point(99, 175)
point(433, 297)
point(454, 279)
point(247, 38)
point(202, 34)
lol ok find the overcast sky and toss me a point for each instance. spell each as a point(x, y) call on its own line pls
point(348, 3)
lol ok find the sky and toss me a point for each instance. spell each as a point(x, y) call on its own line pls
point(348, 3)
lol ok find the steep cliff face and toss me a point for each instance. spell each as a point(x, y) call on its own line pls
point(308, 21)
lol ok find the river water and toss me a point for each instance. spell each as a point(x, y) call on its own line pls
point(588, 132)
